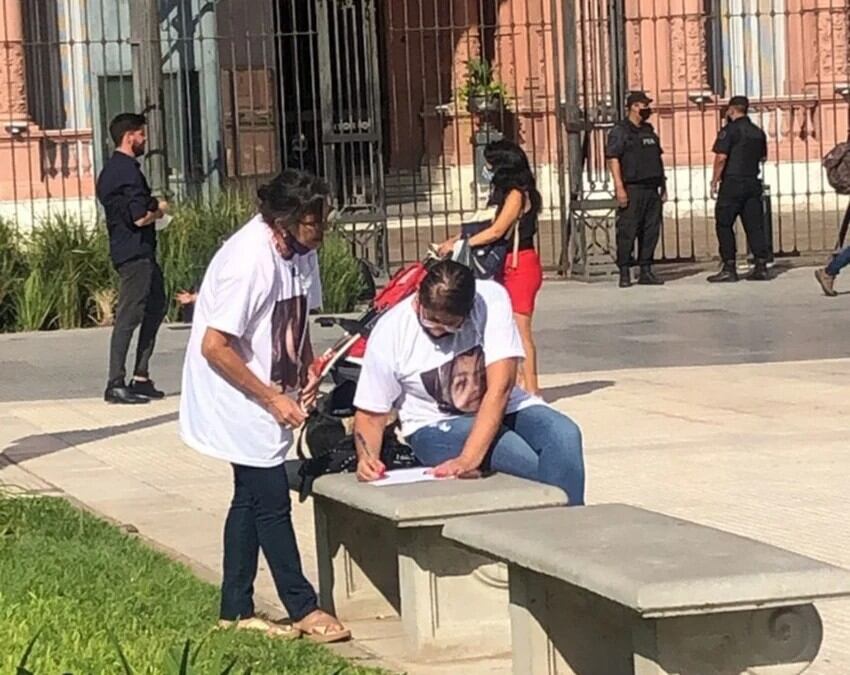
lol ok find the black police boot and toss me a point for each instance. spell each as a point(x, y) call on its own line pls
point(727, 274)
point(647, 277)
point(625, 277)
point(759, 271)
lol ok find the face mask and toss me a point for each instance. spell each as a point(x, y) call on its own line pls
point(487, 174)
point(645, 113)
point(729, 119)
point(296, 246)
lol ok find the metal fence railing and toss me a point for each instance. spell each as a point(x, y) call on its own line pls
point(392, 100)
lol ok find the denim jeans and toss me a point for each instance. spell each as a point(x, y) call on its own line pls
point(839, 262)
point(538, 443)
point(260, 517)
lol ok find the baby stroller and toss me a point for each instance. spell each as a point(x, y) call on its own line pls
point(326, 444)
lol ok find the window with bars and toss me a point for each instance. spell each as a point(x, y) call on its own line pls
point(746, 42)
point(45, 96)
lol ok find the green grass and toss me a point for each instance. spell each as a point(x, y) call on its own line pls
point(74, 581)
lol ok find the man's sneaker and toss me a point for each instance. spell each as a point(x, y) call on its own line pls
point(625, 277)
point(728, 274)
point(647, 278)
point(146, 388)
point(122, 395)
point(827, 282)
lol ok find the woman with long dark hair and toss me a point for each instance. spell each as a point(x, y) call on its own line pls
point(514, 194)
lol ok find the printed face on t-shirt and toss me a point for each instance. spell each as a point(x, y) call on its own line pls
point(288, 323)
point(458, 385)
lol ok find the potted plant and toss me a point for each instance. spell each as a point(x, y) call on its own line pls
point(481, 91)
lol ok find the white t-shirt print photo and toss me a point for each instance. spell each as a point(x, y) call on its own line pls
point(252, 293)
point(429, 380)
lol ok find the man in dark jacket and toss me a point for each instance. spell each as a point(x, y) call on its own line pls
point(131, 214)
point(634, 154)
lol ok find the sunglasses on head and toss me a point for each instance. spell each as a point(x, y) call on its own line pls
point(436, 325)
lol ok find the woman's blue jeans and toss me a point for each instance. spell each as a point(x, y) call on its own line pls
point(538, 443)
point(839, 262)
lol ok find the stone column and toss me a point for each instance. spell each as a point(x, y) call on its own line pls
point(13, 89)
point(825, 39)
point(687, 73)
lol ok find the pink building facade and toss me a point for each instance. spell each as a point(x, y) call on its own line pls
point(253, 82)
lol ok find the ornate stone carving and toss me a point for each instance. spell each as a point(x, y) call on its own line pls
point(494, 574)
point(634, 61)
point(688, 53)
point(832, 44)
point(789, 635)
point(13, 92)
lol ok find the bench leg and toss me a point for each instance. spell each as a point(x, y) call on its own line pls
point(558, 629)
point(358, 562)
point(454, 602)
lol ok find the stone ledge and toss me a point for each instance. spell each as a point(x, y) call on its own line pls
point(434, 502)
point(651, 563)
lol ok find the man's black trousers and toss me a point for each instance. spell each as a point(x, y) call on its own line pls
point(141, 302)
point(740, 197)
point(641, 221)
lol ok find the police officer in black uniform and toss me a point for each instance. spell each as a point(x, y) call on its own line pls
point(739, 150)
point(634, 154)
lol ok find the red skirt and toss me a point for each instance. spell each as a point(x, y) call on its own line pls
point(523, 282)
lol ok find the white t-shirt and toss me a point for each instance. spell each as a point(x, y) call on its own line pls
point(251, 292)
point(429, 380)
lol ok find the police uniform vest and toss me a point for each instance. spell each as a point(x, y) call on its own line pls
point(641, 159)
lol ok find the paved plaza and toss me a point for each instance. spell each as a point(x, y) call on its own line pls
point(724, 405)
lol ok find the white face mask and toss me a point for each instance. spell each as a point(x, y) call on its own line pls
point(487, 174)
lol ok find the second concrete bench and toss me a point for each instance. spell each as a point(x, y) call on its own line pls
point(618, 590)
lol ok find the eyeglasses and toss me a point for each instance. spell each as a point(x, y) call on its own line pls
point(438, 326)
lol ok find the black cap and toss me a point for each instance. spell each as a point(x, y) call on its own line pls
point(740, 102)
point(637, 97)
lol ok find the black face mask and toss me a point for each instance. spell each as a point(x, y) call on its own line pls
point(729, 119)
point(645, 113)
point(296, 246)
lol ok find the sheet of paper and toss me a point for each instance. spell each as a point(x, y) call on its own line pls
point(418, 474)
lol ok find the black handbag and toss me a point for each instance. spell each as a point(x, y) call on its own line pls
point(487, 261)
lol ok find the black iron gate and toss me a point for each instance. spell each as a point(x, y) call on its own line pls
point(351, 121)
point(594, 94)
point(792, 60)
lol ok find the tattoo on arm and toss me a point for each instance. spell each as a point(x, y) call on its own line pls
point(362, 444)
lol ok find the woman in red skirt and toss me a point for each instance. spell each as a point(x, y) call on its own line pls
point(514, 194)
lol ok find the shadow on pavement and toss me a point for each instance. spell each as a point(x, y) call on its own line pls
point(553, 394)
point(41, 445)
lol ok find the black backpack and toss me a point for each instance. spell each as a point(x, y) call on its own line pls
point(329, 449)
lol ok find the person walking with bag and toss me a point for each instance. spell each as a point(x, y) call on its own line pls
point(837, 165)
point(504, 249)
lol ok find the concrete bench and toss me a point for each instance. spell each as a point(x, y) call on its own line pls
point(381, 553)
point(614, 589)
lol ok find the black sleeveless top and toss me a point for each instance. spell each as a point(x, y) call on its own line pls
point(527, 223)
